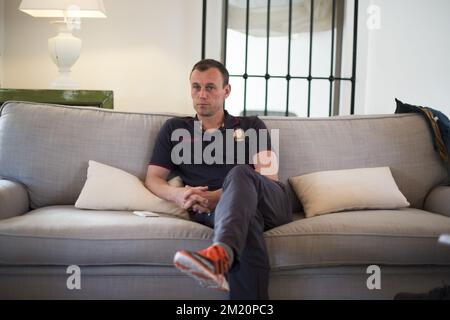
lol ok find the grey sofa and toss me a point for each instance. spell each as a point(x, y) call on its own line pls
point(44, 153)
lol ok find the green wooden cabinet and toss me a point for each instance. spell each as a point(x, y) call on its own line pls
point(96, 98)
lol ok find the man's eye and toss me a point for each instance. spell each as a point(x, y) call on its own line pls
point(209, 88)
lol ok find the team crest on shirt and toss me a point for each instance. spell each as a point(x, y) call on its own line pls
point(239, 134)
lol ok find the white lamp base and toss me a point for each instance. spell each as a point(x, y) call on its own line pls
point(64, 50)
point(64, 81)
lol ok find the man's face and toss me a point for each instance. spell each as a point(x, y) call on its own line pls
point(207, 91)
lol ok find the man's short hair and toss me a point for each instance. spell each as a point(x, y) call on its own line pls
point(206, 64)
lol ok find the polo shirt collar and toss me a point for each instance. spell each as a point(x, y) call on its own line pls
point(229, 122)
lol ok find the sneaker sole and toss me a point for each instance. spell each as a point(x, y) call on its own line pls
point(189, 265)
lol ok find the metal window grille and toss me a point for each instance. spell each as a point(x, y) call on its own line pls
point(336, 50)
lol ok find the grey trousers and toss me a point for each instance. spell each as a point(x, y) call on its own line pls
point(250, 204)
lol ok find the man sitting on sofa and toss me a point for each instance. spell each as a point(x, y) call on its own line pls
point(240, 201)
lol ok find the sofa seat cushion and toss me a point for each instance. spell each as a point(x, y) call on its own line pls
point(65, 235)
point(395, 237)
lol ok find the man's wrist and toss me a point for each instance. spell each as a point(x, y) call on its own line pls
point(173, 195)
point(218, 192)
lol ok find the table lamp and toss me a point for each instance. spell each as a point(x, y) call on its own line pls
point(64, 48)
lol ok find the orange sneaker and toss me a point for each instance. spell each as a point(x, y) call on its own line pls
point(207, 266)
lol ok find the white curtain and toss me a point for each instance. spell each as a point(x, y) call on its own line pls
point(279, 16)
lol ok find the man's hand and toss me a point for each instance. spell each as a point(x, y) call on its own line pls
point(200, 200)
point(186, 197)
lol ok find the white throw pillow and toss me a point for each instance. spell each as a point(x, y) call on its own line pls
point(339, 190)
point(109, 188)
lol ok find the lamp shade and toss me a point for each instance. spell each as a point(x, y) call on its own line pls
point(64, 8)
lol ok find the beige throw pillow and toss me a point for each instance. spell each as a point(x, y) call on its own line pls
point(109, 188)
point(338, 190)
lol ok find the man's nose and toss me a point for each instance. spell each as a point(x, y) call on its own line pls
point(202, 93)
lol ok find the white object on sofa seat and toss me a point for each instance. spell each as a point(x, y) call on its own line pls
point(339, 190)
point(145, 214)
point(444, 239)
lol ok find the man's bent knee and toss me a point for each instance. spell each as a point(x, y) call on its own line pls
point(238, 173)
point(240, 170)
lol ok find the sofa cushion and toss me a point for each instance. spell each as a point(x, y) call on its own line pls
point(339, 190)
point(109, 188)
point(394, 237)
point(64, 235)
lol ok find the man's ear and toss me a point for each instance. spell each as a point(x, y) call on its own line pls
point(227, 89)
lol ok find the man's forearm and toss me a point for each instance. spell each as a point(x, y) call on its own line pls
point(162, 189)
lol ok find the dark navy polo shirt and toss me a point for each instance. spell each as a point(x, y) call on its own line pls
point(207, 171)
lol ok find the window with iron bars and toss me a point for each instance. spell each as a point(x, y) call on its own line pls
point(289, 57)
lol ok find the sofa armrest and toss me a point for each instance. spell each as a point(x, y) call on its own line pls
point(13, 199)
point(438, 200)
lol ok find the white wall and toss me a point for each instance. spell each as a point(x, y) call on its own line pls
point(407, 58)
point(143, 51)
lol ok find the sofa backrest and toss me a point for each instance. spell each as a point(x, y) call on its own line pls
point(47, 147)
